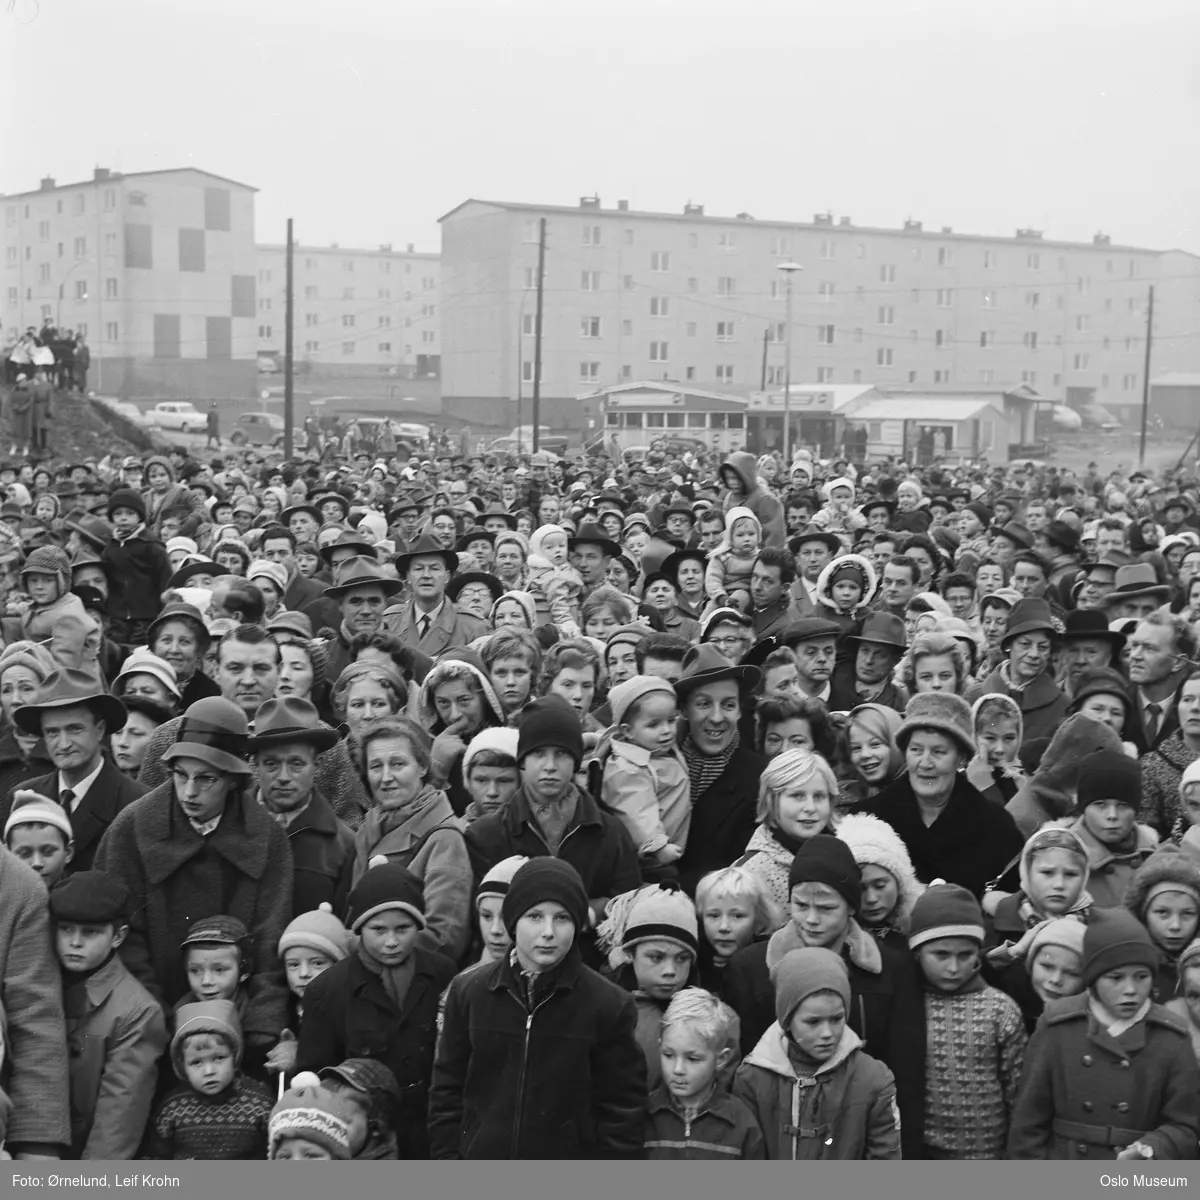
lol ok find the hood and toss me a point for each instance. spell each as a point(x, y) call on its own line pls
point(859, 948)
point(771, 1053)
point(457, 663)
point(525, 600)
point(874, 842)
point(157, 460)
point(737, 513)
point(823, 584)
point(743, 463)
point(978, 772)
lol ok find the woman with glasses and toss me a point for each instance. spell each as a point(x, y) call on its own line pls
point(196, 847)
point(730, 631)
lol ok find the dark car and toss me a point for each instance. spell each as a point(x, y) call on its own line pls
point(257, 429)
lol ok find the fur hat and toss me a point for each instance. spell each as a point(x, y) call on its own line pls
point(545, 879)
point(498, 880)
point(1115, 938)
point(945, 910)
point(206, 1016)
point(1168, 869)
point(802, 973)
point(1109, 775)
point(317, 930)
point(307, 1110)
point(875, 843)
point(31, 808)
point(825, 859)
point(940, 711)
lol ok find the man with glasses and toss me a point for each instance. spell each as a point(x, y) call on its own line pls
point(732, 633)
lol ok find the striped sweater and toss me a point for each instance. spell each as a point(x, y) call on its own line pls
point(231, 1125)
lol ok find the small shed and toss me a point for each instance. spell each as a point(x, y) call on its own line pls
point(922, 428)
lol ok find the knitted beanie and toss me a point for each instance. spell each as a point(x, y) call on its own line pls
point(945, 910)
point(1189, 957)
point(545, 879)
point(661, 913)
point(802, 973)
point(387, 886)
point(206, 1016)
point(981, 511)
point(1109, 775)
point(92, 897)
point(624, 695)
point(31, 808)
point(550, 722)
point(32, 655)
point(498, 880)
point(49, 560)
point(317, 930)
point(186, 544)
point(126, 498)
point(498, 738)
point(309, 1111)
point(1065, 932)
point(875, 843)
point(825, 859)
point(1115, 938)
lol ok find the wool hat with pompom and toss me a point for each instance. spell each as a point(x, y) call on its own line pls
point(385, 886)
point(317, 930)
point(309, 1111)
point(32, 808)
point(875, 843)
point(546, 880)
point(802, 973)
point(825, 859)
point(1115, 938)
point(649, 914)
point(941, 712)
point(499, 879)
point(945, 910)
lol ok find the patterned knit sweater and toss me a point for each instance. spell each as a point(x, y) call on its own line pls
point(231, 1125)
point(975, 1049)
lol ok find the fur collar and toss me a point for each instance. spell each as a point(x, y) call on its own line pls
point(859, 948)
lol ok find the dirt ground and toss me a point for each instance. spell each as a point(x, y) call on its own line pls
point(1119, 451)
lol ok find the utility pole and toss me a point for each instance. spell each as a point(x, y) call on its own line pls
point(789, 269)
point(1146, 375)
point(766, 339)
point(537, 335)
point(289, 415)
point(520, 367)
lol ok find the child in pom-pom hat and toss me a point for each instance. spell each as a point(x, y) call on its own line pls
point(309, 1123)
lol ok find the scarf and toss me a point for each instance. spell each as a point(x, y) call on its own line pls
point(396, 980)
point(1033, 919)
point(704, 769)
point(1114, 1026)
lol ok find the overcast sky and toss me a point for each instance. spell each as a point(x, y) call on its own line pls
point(367, 120)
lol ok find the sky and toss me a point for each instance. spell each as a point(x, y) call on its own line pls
point(367, 120)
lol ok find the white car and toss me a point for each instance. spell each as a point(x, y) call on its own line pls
point(181, 415)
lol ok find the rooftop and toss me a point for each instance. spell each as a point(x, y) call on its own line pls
point(103, 175)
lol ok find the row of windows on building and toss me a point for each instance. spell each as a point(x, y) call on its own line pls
point(217, 208)
point(78, 206)
point(312, 293)
point(428, 283)
point(348, 347)
point(829, 249)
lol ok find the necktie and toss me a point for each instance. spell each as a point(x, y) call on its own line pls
point(1153, 713)
point(66, 798)
point(424, 625)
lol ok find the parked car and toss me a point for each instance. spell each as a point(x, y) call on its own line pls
point(181, 415)
point(1097, 417)
point(124, 408)
point(258, 429)
point(547, 444)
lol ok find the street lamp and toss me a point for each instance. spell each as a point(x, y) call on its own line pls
point(789, 268)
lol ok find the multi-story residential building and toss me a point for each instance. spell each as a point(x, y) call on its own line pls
point(702, 300)
point(156, 269)
point(356, 310)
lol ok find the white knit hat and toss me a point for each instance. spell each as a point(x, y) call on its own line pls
point(875, 843)
point(317, 930)
point(499, 738)
point(624, 695)
point(182, 543)
point(31, 808)
point(275, 572)
point(496, 881)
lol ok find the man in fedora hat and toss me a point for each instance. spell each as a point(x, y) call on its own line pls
point(1137, 592)
point(1008, 540)
point(361, 591)
point(867, 678)
point(74, 717)
point(288, 737)
point(812, 550)
point(813, 640)
point(428, 619)
point(1088, 644)
point(591, 550)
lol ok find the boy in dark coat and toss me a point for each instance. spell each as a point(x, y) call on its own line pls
point(137, 567)
point(1073, 1103)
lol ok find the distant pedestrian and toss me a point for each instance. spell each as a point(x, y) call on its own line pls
point(42, 393)
point(214, 427)
point(83, 360)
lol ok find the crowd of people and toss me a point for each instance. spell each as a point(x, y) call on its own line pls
point(705, 807)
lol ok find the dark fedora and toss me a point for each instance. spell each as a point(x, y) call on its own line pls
point(337, 498)
point(882, 629)
point(1066, 537)
point(865, 509)
point(498, 510)
point(672, 563)
point(455, 586)
point(189, 570)
point(1028, 616)
point(213, 730)
point(590, 534)
point(814, 533)
point(361, 572)
point(426, 546)
point(288, 513)
point(412, 503)
point(348, 540)
point(475, 534)
point(1016, 533)
point(96, 531)
point(1090, 624)
point(70, 688)
point(705, 664)
point(286, 719)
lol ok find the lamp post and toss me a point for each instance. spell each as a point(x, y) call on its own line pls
point(789, 268)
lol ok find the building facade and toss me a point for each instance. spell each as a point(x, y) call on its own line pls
point(702, 300)
point(156, 269)
point(357, 311)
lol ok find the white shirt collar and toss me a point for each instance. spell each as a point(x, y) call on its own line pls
point(80, 789)
point(433, 614)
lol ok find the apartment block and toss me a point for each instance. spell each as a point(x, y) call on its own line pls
point(703, 300)
point(356, 311)
point(155, 268)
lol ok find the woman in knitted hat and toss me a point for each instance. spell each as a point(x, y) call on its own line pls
point(796, 795)
point(1164, 895)
point(1108, 1055)
point(559, 1073)
point(381, 1001)
point(271, 579)
point(886, 1005)
point(889, 884)
point(951, 831)
point(24, 668)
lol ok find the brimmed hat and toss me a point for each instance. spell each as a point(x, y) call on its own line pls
point(287, 719)
point(455, 586)
point(425, 546)
point(475, 534)
point(1089, 624)
point(590, 534)
point(268, 569)
point(808, 628)
point(179, 611)
point(1065, 536)
point(288, 513)
point(1017, 534)
point(498, 510)
point(1134, 580)
point(882, 629)
point(347, 540)
point(942, 712)
point(1028, 616)
point(704, 664)
point(814, 533)
point(189, 570)
point(213, 730)
point(362, 572)
point(142, 661)
point(1101, 681)
point(69, 688)
point(672, 563)
point(293, 623)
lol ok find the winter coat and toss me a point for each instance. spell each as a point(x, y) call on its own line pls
point(37, 624)
point(770, 860)
point(845, 1110)
point(348, 1014)
point(649, 794)
point(1109, 873)
point(428, 839)
point(886, 1009)
point(1043, 704)
point(1162, 771)
point(843, 694)
point(1085, 1094)
point(722, 818)
point(116, 1034)
point(766, 506)
point(137, 570)
point(971, 843)
point(34, 1071)
point(450, 629)
point(15, 768)
point(176, 877)
point(564, 1079)
point(322, 858)
point(722, 1130)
